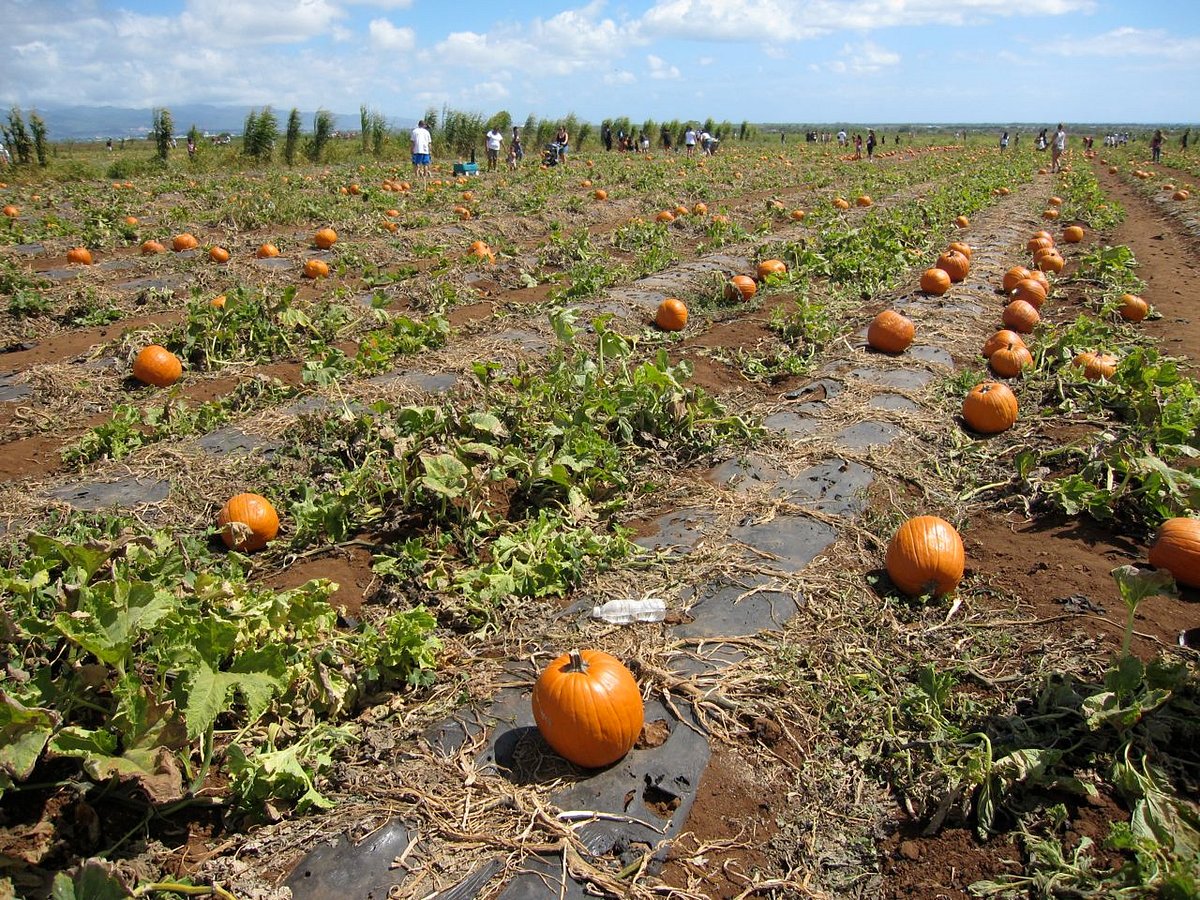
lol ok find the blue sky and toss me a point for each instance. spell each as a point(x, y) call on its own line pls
point(758, 60)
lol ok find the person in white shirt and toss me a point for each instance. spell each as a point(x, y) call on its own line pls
point(422, 147)
point(1057, 148)
point(494, 140)
point(689, 141)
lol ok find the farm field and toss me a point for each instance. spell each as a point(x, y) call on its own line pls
point(454, 394)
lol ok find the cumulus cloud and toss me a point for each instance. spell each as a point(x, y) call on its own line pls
point(386, 36)
point(660, 69)
point(619, 76)
point(797, 20)
point(1130, 42)
point(381, 4)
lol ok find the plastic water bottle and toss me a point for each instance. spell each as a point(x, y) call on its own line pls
point(627, 611)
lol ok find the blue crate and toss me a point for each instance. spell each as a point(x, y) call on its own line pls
point(466, 168)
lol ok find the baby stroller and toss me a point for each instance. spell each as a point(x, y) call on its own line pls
point(551, 156)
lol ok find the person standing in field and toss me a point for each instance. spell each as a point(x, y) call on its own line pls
point(517, 149)
point(1058, 146)
point(1156, 143)
point(494, 140)
point(689, 141)
point(563, 140)
point(1004, 142)
point(422, 148)
point(871, 143)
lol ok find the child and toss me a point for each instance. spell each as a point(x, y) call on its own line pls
point(512, 157)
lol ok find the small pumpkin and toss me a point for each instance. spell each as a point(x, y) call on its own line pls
point(1095, 365)
point(184, 241)
point(1133, 308)
point(131, 220)
point(80, 255)
point(588, 708)
point(599, 194)
point(740, 287)
point(665, 217)
point(1050, 213)
point(247, 522)
point(700, 209)
point(266, 251)
point(999, 340)
point(157, 365)
point(1011, 361)
point(150, 248)
point(841, 203)
point(672, 314)
point(771, 267)
point(935, 281)
point(1050, 262)
point(1073, 234)
point(218, 254)
point(1039, 242)
point(1055, 201)
point(1180, 194)
point(990, 407)
point(11, 211)
point(1021, 316)
point(961, 222)
point(863, 200)
point(954, 264)
point(797, 215)
point(1012, 276)
point(890, 332)
point(316, 268)
point(1039, 276)
point(1176, 548)
point(925, 556)
point(325, 238)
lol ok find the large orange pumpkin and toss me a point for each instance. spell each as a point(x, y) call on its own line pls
point(990, 407)
point(1011, 361)
point(1013, 275)
point(925, 556)
point(157, 365)
point(954, 264)
point(890, 332)
point(935, 281)
point(80, 255)
point(1073, 234)
point(962, 222)
point(184, 241)
point(771, 267)
point(1133, 308)
point(1021, 316)
point(1176, 548)
point(863, 200)
point(316, 268)
point(247, 522)
point(740, 287)
point(266, 251)
point(12, 211)
point(1095, 365)
point(218, 254)
point(962, 247)
point(325, 238)
point(1031, 291)
point(1001, 339)
point(588, 707)
point(672, 315)
point(151, 247)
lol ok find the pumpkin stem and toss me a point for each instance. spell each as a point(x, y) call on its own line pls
point(576, 664)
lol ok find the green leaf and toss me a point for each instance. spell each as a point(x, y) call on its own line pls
point(74, 741)
point(445, 474)
point(111, 616)
point(93, 881)
point(208, 691)
point(24, 731)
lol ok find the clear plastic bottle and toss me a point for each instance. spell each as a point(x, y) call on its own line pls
point(628, 611)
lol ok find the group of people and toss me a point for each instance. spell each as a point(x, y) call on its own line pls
point(422, 148)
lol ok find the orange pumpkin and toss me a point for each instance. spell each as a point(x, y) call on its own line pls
point(797, 215)
point(1000, 339)
point(954, 264)
point(157, 365)
point(1011, 361)
point(1095, 365)
point(740, 287)
point(588, 707)
point(925, 556)
point(935, 281)
point(990, 407)
point(771, 267)
point(962, 248)
point(890, 332)
point(1030, 291)
point(266, 251)
point(841, 203)
point(1073, 234)
point(184, 241)
point(672, 315)
point(325, 238)
point(1050, 262)
point(600, 194)
point(1180, 194)
point(316, 268)
point(1039, 242)
point(1051, 213)
point(1176, 548)
point(1012, 276)
point(1039, 276)
point(863, 200)
point(1133, 308)
point(247, 522)
point(962, 222)
point(218, 254)
point(80, 255)
point(1021, 316)
point(666, 217)
point(149, 248)
point(11, 211)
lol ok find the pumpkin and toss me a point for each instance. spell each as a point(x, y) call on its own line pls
point(1011, 361)
point(157, 365)
point(925, 556)
point(588, 708)
point(863, 200)
point(217, 302)
point(81, 255)
point(841, 203)
point(480, 249)
point(11, 211)
point(1073, 234)
point(149, 248)
point(1095, 365)
point(954, 264)
point(740, 287)
point(1133, 308)
point(1030, 291)
point(325, 238)
point(1000, 339)
point(962, 248)
point(247, 522)
point(462, 212)
point(1012, 276)
point(935, 281)
point(1176, 548)
point(1039, 276)
point(890, 332)
point(680, 211)
point(672, 315)
point(962, 222)
point(666, 217)
point(1180, 195)
point(720, 219)
point(797, 215)
point(184, 241)
point(771, 267)
point(1050, 213)
point(1021, 316)
point(131, 220)
point(1038, 242)
point(700, 209)
point(218, 254)
point(316, 268)
point(1056, 201)
point(266, 251)
point(990, 407)
point(600, 194)
point(1050, 262)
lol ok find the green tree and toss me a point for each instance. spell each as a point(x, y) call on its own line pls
point(322, 132)
point(292, 141)
point(501, 121)
point(262, 130)
point(17, 135)
point(364, 127)
point(379, 133)
point(38, 127)
point(431, 119)
point(162, 131)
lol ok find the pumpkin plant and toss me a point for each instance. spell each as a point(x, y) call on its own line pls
point(588, 707)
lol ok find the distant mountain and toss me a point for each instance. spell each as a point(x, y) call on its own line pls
point(89, 123)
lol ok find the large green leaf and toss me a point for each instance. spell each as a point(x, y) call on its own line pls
point(24, 731)
point(110, 617)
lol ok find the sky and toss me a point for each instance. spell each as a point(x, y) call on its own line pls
point(801, 61)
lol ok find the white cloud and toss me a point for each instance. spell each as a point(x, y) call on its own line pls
point(661, 70)
point(1129, 42)
point(485, 92)
point(864, 58)
point(619, 76)
point(386, 36)
point(774, 21)
point(259, 21)
point(381, 4)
